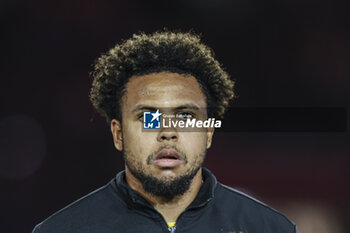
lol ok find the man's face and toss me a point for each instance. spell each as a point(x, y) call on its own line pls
point(165, 158)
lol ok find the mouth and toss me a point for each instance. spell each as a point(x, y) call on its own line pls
point(168, 158)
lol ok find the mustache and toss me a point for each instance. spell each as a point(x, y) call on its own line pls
point(181, 154)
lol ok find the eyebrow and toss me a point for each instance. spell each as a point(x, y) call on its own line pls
point(187, 106)
point(143, 107)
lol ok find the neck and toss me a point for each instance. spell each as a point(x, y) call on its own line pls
point(170, 209)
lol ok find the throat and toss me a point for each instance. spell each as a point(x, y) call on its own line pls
point(169, 207)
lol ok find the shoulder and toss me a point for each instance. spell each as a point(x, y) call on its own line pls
point(251, 210)
point(78, 213)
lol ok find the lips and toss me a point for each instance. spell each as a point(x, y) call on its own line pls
point(167, 158)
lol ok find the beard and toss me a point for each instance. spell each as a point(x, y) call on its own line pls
point(167, 188)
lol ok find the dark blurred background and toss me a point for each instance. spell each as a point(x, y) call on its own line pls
point(54, 148)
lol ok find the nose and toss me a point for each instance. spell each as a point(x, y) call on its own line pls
point(168, 135)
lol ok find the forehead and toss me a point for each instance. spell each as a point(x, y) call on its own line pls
point(163, 89)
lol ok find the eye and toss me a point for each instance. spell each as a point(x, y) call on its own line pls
point(140, 117)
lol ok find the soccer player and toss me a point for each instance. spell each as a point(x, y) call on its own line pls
point(164, 187)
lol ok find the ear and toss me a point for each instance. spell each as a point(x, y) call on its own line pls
point(117, 133)
point(210, 135)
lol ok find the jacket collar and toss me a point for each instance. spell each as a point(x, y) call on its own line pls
point(134, 200)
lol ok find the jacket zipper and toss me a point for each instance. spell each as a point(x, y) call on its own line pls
point(172, 229)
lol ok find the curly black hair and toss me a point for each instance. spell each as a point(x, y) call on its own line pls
point(164, 50)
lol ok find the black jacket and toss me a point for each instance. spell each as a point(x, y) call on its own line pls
point(116, 208)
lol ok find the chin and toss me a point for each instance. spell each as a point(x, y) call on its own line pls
point(168, 177)
point(171, 172)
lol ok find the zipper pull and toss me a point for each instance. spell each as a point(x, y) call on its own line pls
point(172, 229)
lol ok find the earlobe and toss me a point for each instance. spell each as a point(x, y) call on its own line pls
point(208, 143)
point(116, 130)
point(210, 134)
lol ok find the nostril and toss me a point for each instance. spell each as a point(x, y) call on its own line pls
point(174, 137)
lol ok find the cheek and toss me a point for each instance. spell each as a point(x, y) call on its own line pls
point(195, 142)
point(137, 142)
